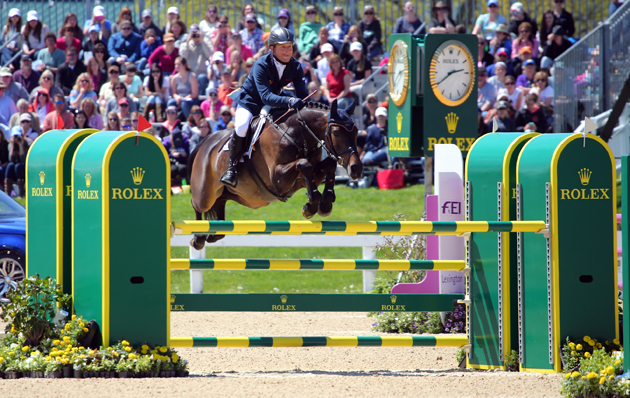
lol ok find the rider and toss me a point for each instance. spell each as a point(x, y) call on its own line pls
point(263, 86)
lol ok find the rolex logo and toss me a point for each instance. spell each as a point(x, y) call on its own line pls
point(88, 180)
point(283, 298)
point(451, 122)
point(393, 298)
point(172, 298)
point(42, 177)
point(137, 174)
point(399, 118)
point(585, 176)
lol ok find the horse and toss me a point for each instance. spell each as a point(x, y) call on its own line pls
point(300, 152)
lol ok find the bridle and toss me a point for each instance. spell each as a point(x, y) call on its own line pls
point(330, 146)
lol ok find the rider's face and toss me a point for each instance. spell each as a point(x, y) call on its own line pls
point(283, 51)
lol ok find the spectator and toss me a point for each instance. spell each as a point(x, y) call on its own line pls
point(135, 120)
point(338, 28)
point(12, 36)
point(125, 15)
point(212, 106)
point(204, 130)
point(498, 79)
point(531, 117)
point(26, 124)
point(252, 36)
point(557, 43)
point(113, 122)
point(81, 121)
point(68, 72)
point(487, 94)
point(51, 57)
point(125, 45)
point(502, 39)
point(308, 31)
point(107, 89)
point(184, 87)
point(171, 121)
point(375, 148)
point(101, 56)
point(369, 110)
point(177, 147)
point(409, 23)
point(518, 16)
point(492, 113)
point(50, 122)
point(224, 119)
point(42, 105)
point(505, 124)
point(22, 107)
point(517, 63)
point(315, 55)
point(103, 25)
point(164, 56)
point(133, 83)
point(323, 65)
point(7, 107)
point(370, 25)
point(359, 65)
point(337, 83)
point(156, 87)
point(220, 37)
point(210, 23)
point(500, 57)
point(46, 81)
point(546, 27)
point(315, 89)
point(284, 21)
point(486, 24)
point(82, 89)
point(95, 120)
point(354, 36)
point(542, 89)
point(309, 74)
point(123, 110)
point(90, 44)
point(68, 39)
point(215, 70)
point(150, 43)
point(235, 66)
point(441, 23)
point(563, 17)
point(178, 29)
point(125, 123)
point(18, 148)
point(147, 23)
point(525, 39)
point(14, 90)
point(525, 81)
point(191, 126)
point(4, 157)
point(34, 33)
point(97, 76)
point(72, 20)
point(515, 95)
point(483, 56)
point(225, 88)
point(172, 15)
point(242, 23)
point(237, 45)
point(613, 6)
point(197, 52)
point(120, 93)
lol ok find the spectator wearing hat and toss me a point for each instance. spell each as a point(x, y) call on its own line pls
point(563, 18)
point(18, 149)
point(354, 36)
point(14, 90)
point(501, 39)
point(484, 58)
point(212, 106)
point(210, 22)
point(359, 65)
point(22, 107)
point(165, 55)
point(486, 93)
point(284, 21)
point(123, 108)
point(11, 36)
point(525, 81)
point(505, 124)
point(172, 15)
point(315, 54)
point(51, 57)
point(7, 107)
point(147, 23)
point(221, 36)
point(34, 33)
point(237, 45)
point(124, 46)
point(338, 28)
point(90, 45)
point(42, 105)
point(82, 89)
point(103, 25)
point(323, 65)
point(68, 39)
point(557, 43)
point(531, 117)
point(241, 24)
point(172, 121)
point(370, 25)
point(525, 39)
point(409, 23)
point(308, 31)
point(514, 95)
point(500, 69)
point(251, 35)
point(157, 89)
point(225, 89)
point(503, 57)
point(524, 55)
point(486, 24)
point(369, 110)
point(215, 70)
point(225, 117)
point(50, 122)
point(518, 15)
point(125, 15)
point(441, 22)
point(69, 71)
point(375, 148)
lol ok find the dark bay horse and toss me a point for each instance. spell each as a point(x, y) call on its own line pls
point(300, 152)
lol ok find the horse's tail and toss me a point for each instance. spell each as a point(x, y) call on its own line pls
point(191, 158)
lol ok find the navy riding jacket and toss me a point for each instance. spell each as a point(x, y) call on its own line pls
point(264, 87)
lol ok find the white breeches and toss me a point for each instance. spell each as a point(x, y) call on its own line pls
point(241, 121)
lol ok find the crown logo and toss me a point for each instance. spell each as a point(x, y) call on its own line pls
point(88, 180)
point(42, 177)
point(451, 122)
point(393, 298)
point(172, 298)
point(283, 298)
point(399, 118)
point(585, 176)
point(137, 174)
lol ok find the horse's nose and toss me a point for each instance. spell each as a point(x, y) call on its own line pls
point(356, 170)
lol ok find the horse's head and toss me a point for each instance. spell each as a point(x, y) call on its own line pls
point(341, 140)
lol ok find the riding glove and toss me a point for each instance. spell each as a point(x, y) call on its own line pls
point(296, 103)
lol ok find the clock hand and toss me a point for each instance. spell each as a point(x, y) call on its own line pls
point(398, 75)
point(449, 74)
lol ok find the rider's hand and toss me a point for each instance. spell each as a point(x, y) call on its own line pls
point(296, 103)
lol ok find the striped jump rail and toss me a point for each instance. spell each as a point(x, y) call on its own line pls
point(321, 341)
point(301, 227)
point(324, 265)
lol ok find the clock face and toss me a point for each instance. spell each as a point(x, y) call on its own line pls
point(452, 73)
point(398, 70)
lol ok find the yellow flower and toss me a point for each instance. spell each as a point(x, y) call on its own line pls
point(587, 355)
point(128, 349)
point(574, 353)
point(86, 330)
point(116, 354)
point(1, 359)
point(66, 339)
point(109, 348)
point(572, 345)
point(591, 343)
point(12, 353)
point(67, 327)
point(610, 370)
point(578, 347)
point(599, 345)
point(163, 349)
point(25, 348)
point(132, 356)
point(611, 377)
point(602, 380)
point(591, 375)
point(144, 351)
point(74, 317)
point(145, 347)
point(75, 349)
point(586, 338)
point(583, 377)
point(175, 357)
point(81, 324)
point(617, 362)
point(48, 358)
point(153, 352)
point(616, 341)
point(22, 357)
point(125, 343)
point(567, 376)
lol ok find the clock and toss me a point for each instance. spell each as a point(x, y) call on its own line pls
point(398, 71)
point(451, 73)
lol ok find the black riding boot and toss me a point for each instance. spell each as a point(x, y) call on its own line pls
point(237, 147)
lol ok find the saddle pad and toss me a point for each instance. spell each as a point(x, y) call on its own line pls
point(257, 133)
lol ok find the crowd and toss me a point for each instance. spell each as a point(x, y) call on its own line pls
point(106, 71)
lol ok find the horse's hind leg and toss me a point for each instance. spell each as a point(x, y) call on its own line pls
point(217, 212)
point(329, 166)
point(198, 241)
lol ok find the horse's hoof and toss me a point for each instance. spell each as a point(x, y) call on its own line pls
point(214, 238)
point(329, 196)
point(197, 244)
point(324, 209)
point(308, 211)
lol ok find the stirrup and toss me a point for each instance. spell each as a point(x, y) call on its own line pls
point(230, 176)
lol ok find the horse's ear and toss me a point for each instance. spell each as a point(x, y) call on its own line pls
point(333, 109)
point(350, 108)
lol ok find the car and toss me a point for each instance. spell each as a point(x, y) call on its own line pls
point(12, 243)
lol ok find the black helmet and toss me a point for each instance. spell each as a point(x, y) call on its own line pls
point(280, 36)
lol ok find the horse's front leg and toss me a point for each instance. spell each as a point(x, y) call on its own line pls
point(329, 166)
point(290, 172)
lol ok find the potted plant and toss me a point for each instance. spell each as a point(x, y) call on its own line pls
point(124, 368)
point(107, 368)
point(53, 369)
point(13, 366)
point(181, 366)
point(143, 366)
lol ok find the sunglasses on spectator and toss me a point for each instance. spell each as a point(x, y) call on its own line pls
point(119, 88)
point(135, 121)
point(84, 81)
point(340, 14)
point(42, 95)
point(482, 75)
point(123, 105)
point(508, 83)
point(440, 8)
point(493, 6)
point(372, 102)
point(368, 13)
point(226, 114)
point(310, 12)
point(59, 102)
point(155, 72)
point(171, 113)
point(46, 78)
point(25, 121)
point(99, 52)
point(132, 70)
point(126, 126)
point(71, 54)
point(251, 21)
point(212, 94)
point(197, 113)
point(539, 80)
point(113, 119)
point(127, 28)
point(212, 11)
point(114, 72)
point(283, 18)
point(524, 31)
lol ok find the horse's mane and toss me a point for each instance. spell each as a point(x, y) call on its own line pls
point(317, 105)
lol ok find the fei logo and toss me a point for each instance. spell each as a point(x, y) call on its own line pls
point(452, 207)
